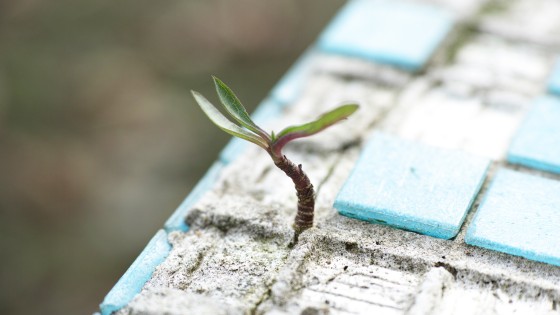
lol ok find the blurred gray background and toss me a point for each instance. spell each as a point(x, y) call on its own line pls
point(100, 139)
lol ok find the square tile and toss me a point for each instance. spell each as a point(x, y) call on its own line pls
point(554, 81)
point(519, 215)
point(398, 33)
point(537, 142)
point(412, 186)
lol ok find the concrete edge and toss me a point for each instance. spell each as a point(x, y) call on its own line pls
point(137, 275)
point(176, 221)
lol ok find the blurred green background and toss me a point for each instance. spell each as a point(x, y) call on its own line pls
point(100, 139)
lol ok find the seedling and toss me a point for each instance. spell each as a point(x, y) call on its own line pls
point(274, 143)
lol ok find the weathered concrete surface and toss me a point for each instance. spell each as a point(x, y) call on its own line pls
point(239, 256)
point(476, 102)
point(174, 302)
point(345, 266)
point(430, 292)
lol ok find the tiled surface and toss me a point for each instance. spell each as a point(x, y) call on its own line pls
point(554, 83)
point(176, 221)
point(137, 274)
point(474, 103)
point(398, 33)
point(412, 186)
point(520, 215)
point(537, 142)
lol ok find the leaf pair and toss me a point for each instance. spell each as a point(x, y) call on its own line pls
point(253, 133)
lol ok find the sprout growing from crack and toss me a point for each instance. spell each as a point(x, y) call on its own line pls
point(273, 143)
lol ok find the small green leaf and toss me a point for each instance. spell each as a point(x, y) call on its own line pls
point(324, 121)
point(223, 123)
point(236, 109)
point(327, 119)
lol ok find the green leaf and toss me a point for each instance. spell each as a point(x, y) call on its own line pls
point(223, 123)
point(327, 119)
point(324, 121)
point(236, 109)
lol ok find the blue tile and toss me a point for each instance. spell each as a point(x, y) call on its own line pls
point(519, 215)
point(137, 275)
point(176, 221)
point(537, 142)
point(266, 111)
point(412, 186)
point(290, 86)
point(398, 33)
point(554, 82)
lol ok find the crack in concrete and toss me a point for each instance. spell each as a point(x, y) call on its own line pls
point(264, 298)
point(354, 299)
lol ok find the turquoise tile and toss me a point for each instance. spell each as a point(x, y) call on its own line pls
point(398, 33)
point(520, 215)
point(176, 221)
point(537, 142)
point(554, 81)
point(412, 186)
point(266, 111)
point(291, 85)
point(137, 274)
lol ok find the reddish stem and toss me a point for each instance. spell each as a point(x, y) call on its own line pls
point(304, 191)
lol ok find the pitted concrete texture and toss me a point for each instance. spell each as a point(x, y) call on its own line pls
point(239, 256)
point(232, 269)
point(343, 266)
point(174, 302)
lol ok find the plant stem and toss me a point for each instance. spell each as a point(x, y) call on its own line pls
point(304, 191)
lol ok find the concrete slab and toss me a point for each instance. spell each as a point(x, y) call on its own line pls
point(398, 33)
point(412, 186)
point(490, 82)
point(171, 301)
point(231, 268)
point(537, 143)
point(520, 215)
point(348, 266)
